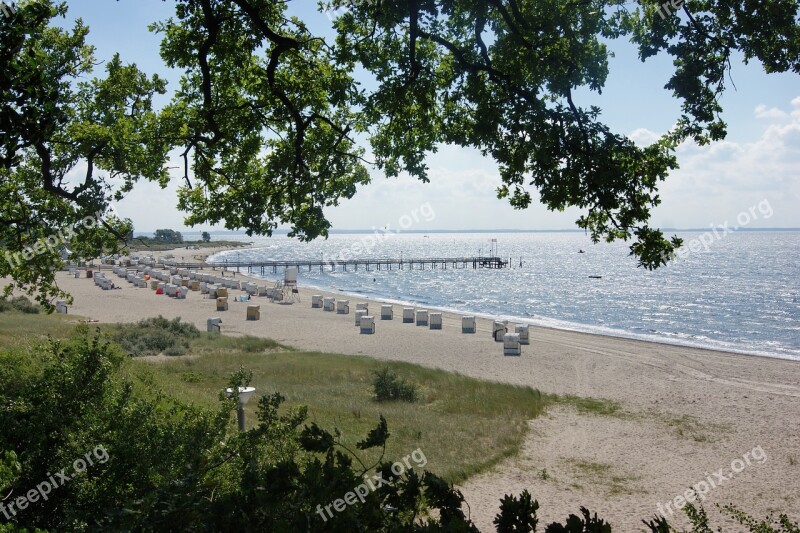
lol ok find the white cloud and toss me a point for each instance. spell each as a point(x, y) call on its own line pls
point(643, 137)
point(462, 192)
point(763, 112)
point(718, 181)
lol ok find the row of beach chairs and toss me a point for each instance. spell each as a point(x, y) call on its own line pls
point(173, 282)
point(512, 341)
point(177, 283)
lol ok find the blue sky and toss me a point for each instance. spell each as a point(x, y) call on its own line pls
point(758, 162)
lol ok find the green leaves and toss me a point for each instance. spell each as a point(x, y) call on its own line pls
point(517, 514)
point(500, 77)
point(271, 114)
point(315, 439)
point(9, 469)
point(702, 37)
point(265, 118)
point(376, 437)
point(69, 147)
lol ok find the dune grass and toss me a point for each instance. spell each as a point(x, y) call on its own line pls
point(21, 330)
point(590, 406)
point(462, 425)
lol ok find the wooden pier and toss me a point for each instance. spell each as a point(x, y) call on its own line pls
point(431, 263)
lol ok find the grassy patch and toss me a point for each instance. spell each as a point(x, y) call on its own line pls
point(590, 469)
point(600, 475)
point(18, 329)
point(222, 344)
point(591, 406)
point(689, 427)
point(462, 425)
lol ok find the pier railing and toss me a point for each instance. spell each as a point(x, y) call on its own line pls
point(353, 264)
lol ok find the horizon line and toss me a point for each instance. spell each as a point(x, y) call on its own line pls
point(419, 231)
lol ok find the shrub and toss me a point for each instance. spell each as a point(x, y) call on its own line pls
point(77, 402)
point(174, 326)
point(26, 306)
point(21, 304)
point(389, 387)
point(153, 336)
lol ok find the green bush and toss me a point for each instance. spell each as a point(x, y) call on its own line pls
point(153, 336)
point(390, 387)
point(174, 326)
point(77, 400)
point(173, 467)
point(26, 306)
point(21, 304)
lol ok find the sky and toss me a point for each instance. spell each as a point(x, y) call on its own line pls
point(755, 167)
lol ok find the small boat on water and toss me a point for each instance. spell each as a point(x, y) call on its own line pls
point(581, 252)
point(595, 277)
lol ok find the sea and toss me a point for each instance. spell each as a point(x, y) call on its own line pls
point(737, 292)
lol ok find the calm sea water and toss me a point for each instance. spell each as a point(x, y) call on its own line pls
point(742, 294)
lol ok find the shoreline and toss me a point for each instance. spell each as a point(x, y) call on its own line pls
point(685, 411)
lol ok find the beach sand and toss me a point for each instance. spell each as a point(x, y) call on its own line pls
point(687, 412)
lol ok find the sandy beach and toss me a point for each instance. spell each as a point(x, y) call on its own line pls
point(690, 415)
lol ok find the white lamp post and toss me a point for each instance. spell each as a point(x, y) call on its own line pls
point(245, 393)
